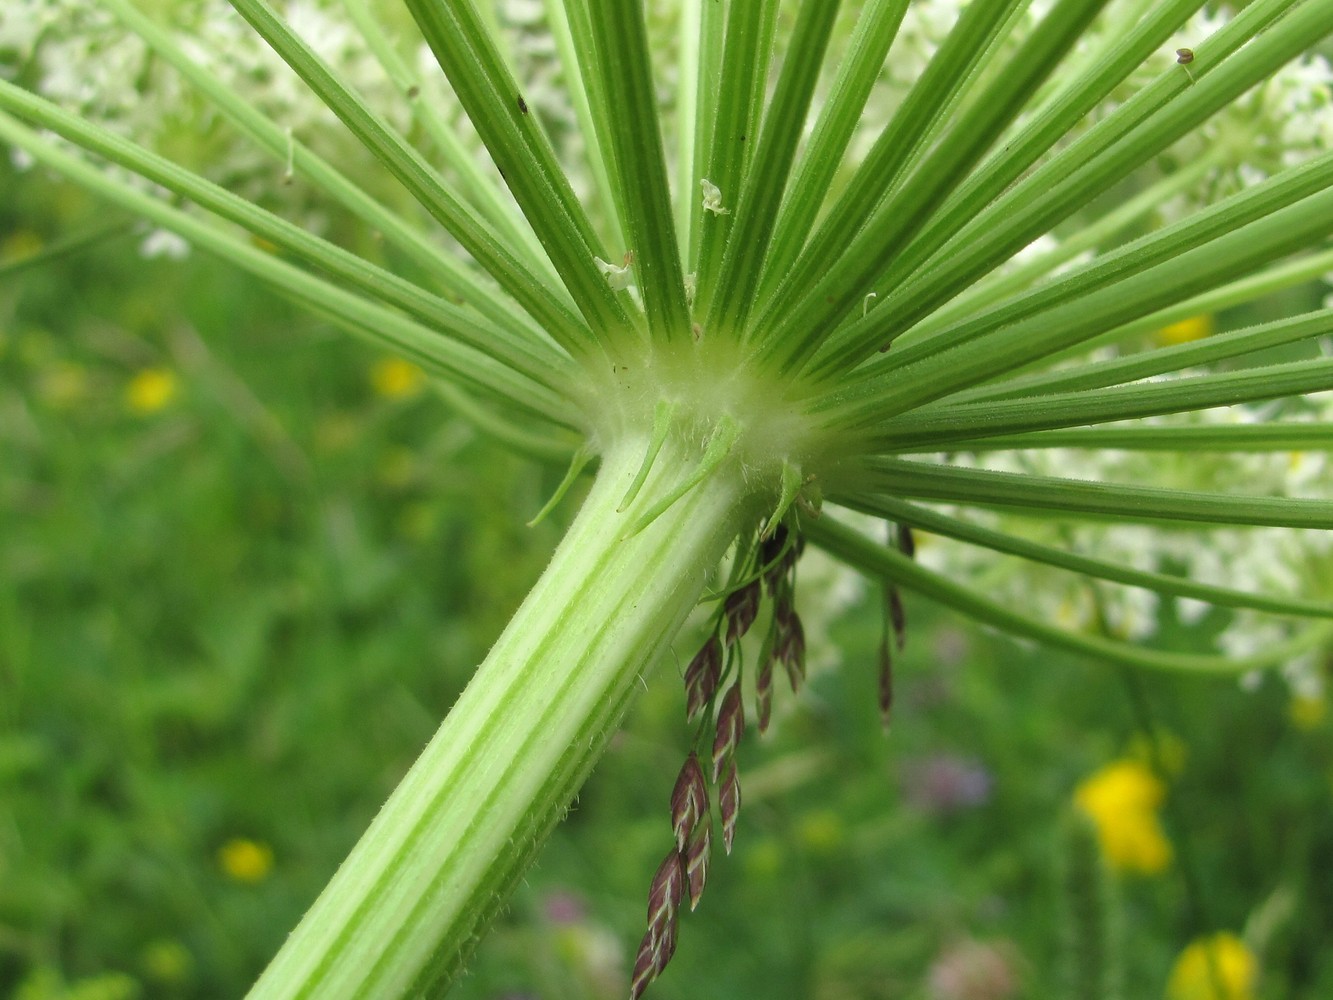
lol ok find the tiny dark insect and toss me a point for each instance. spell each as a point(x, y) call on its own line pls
point(522, 105)
point(1184, 57)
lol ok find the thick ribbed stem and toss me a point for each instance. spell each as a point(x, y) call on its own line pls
point(406, 907)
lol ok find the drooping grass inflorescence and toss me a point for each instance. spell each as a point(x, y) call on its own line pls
point(905, 259)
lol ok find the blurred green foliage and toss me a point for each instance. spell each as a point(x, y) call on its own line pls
point(232, 610)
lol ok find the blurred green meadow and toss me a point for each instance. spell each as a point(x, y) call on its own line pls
point(247, 565)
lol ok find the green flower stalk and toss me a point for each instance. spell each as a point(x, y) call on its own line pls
point(753, 260)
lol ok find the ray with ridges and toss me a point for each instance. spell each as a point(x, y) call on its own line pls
point(799, 320)
point(712, 41)
point(984, 487)
point(876, 28)
point(569, 28)
point(1083, 92)
point(944, 423)
point(534, 358)
point(1163, 583)
point(1133, 258)
point(1258, 438)
point(1127, 138)
point(366, 319)
point(489, 199)
point(1158, 361)
point(545, 302)
point(442, 266)
point(1079, 321)
point(466, 52)
point(623, 66)
point(885, 563)
point(977, 26)
point(761, 192)
point(739, 98)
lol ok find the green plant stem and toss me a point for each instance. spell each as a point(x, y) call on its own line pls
point(406, 908)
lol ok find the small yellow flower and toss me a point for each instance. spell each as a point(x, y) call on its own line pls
point(1194, 328)
point(1307, 711)
point(1219, 967)
point(151, 390)
point(167, 961)
point(246, 861)
point(1122, 800)
point(822, 832)
point(394, 378)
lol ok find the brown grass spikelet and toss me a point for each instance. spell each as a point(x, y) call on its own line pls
point(885, 680)
point(740, 610)
point(898, 617)
point(702, 676)
point(730, 727)
point(659, 942)
point(763, 690)
point(698, 852)
point(729, 804)
point(689, 800)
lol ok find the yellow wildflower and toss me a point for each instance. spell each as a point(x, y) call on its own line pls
point(245, 860)
point(1307, 711)
point(150, 390)
point(1194, 328)
point(1219, 967)
point(394, 378)
point(1122, 800)
point(167, 961)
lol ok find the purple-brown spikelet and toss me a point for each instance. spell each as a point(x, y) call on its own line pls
point(689, 800)
point(729, 803)
point(763, 691)
point(898, 617)
point(730, 727)
point(790, 643)
point(906, 541)
point(774, 558)
point(885, 681)
point(698, 852)
point(740, 610)
point(702, 676)
point(659, 943)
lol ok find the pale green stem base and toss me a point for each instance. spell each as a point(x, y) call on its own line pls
point(406, 908)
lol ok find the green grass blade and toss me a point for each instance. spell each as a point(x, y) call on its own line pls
point(536, 359)
point(623, 66)
point(892, 566)
point(761, 194)
point(801, 317)
point(1163, 583)
point(1077, 498)
point(945, 423)
point(465, 50)
point(528, 288)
